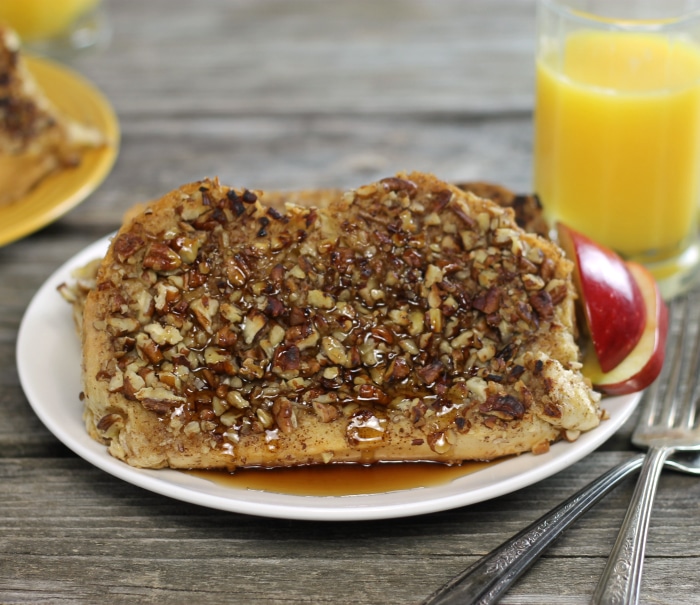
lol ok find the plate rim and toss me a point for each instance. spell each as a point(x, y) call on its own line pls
point(195, 490)
point(30, 222)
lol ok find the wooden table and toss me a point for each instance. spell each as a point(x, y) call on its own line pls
point(274, 94)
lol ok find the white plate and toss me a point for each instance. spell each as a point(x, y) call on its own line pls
point(48, 359)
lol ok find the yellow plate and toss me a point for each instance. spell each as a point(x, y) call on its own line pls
point(61, 191)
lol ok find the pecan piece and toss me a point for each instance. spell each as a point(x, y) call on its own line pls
point(541, 301)
point(505, 407)
point(287, 358)
point(398, 369)
point(274, 307)
point(552, 411)
point(488, 302)
point(225, 337)
point(106, 422)
point(325, 411)
point(431, 372)
point(418, 411)
point(441, 199)
point(558, 292)
point(126, 245)
point(283, 412)
point(461, 213)
point(237, 270)
point(398, 185)
point(370, 392)
point(160, 257)
point(383, 333)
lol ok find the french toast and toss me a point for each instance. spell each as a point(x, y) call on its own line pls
point(404, 320)
point(36, 138)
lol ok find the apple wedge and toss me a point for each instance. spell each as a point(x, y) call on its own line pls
point(611, 298)
point(643, 364)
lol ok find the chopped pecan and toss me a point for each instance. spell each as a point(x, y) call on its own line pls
point(237, 270)
point(505, 407)
point(399, 185)
point(462, 214)
point(283, 412)
point(552, 411)
point(398, 369)
point(287, 358)
point(274, 307)
point(541, 301)
point(441, 199)
point(225, 337)
point(298, 316)
point(418, 413)
point(547, 269)
point(431, 372)
point(383, 333)
point(558, 291)
point(158, 406)
point(161, 257)
point(325, 411)
point(488, 302)
point(126, 245)
point(107, 421)
point(370, 392)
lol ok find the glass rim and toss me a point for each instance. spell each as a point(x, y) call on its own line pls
point(618, 23)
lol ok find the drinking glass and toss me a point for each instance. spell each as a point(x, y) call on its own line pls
point(57, 28)
point(617, 128)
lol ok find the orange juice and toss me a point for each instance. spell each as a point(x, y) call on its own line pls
point(41, 19)
point(617, 139)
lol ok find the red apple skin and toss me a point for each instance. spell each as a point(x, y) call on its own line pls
point(612, 301)
point(643, 364)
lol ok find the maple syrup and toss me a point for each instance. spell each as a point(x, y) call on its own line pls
point(343, 479)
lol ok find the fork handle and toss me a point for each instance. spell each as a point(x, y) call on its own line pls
point(486, 580)
point(622, 576)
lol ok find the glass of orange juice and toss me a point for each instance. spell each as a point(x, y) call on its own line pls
point(56, 27)
point(617, 128)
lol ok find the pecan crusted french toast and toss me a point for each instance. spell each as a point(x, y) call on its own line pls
point(404, 320)
point(36, 138)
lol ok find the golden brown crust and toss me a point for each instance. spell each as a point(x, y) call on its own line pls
point(404, 320)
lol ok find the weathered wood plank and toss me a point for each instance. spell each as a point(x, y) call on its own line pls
point(143, 545)
point(294, 153)
point(315, 57)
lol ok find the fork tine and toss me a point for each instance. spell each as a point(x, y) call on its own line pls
point(621, 578)
point(659, 398)
point(690, 398)
point(668, 410)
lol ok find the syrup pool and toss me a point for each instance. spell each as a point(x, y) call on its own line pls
point(343, 479)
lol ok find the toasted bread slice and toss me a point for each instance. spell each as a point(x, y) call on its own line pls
point(404, 320)
point(36, 139)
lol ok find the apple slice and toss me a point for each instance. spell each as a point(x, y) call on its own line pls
point(611, 298)
point(643, 364)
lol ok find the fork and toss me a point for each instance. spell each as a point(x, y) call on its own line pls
point(485, 581)
point(667, 424)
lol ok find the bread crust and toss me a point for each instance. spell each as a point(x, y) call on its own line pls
point(404, 320)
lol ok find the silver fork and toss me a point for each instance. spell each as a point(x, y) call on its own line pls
point(485, 581)
point(668, 424)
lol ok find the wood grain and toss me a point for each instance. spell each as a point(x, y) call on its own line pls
point(280, 95)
